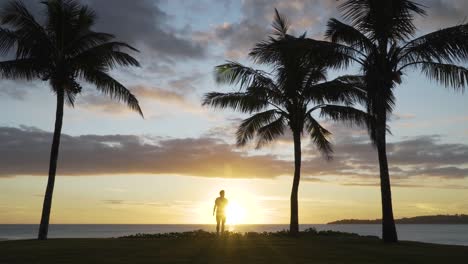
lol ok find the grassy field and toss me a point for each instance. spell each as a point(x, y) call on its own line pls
point(257, 249)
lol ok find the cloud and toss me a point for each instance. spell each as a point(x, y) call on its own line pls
point(147, 96)
point(422, 156)
point(185, 83)
point(172, 99)
point(255, 25)
point(239, 38)
point(401, 116)
point(144, 23)
point(100, 103)
point(149, 203)
point(158, 94)
point(312, 17)
point(18, 89)
point(442, 13)
point(25, 152)
point(132, 203)
point(141, 23)
point(12, 90)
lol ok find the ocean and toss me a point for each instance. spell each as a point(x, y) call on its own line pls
point(439, 234)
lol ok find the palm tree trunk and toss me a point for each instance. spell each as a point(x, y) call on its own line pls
point(389, 234)
point(294, 224)
point(44, 226)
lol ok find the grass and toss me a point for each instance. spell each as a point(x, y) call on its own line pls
point(203, 247)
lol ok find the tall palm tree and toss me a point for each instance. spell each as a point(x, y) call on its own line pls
point(380, 39)
point(286, 98)
point(62, 51)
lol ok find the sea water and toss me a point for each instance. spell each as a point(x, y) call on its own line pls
point(439, 234)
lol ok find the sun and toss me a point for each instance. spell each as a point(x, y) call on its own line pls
point(235, 214)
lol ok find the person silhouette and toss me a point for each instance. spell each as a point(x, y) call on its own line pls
point(220, 208)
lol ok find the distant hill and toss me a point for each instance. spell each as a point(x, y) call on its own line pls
point(428, 219)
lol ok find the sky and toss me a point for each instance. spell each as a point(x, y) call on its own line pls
point(116, 167)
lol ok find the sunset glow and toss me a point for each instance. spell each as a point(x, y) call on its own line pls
point(115, 167)
point(236, 214)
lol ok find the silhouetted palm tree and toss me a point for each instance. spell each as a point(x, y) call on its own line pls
point(63, 51)
point(379, 37)
point(287, 98)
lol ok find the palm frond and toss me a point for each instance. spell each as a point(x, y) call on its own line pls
point(271, 131)
point(7, 40)
point(382, 19)
point(71, 91)
point(240, 101)
point(85, 19)
point(111, 87)
point(108, 55)
point(280, 25)
point(347, 90)
point(312, 75)
point(339, 32)
point(446, 74)
point(63, 49)
point(86, 41)
point(15, 14)
point(234, 73)
point(445, 45)
point(70, 98)
point(20, 69)
point(346, 114)
point(61, 18)
point(319, 136)
point(278, 51)
point(328, 54)
point(250, 126)
point(268, 51)
point(30, 35)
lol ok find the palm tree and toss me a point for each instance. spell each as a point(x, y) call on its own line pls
point(380, 38)
point(286, 98)
point(63, 51)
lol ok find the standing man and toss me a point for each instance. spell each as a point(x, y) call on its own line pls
point(219, 207)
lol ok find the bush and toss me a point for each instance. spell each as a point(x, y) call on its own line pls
point(236, 235)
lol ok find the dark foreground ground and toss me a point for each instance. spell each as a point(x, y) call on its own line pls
point(234, 249)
